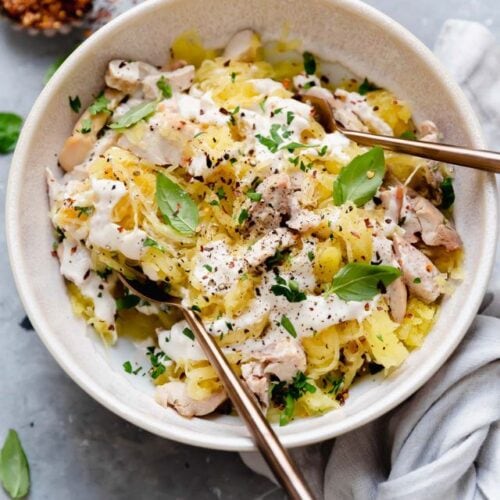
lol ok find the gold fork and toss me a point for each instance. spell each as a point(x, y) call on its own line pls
point(446, 153)
point(265, 438)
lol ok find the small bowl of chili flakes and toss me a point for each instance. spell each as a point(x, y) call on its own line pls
point(45, 16)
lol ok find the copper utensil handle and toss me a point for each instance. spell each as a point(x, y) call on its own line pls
point(266, 440)
point(446, 153)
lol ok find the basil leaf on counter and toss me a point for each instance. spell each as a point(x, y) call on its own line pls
point(309, 63)
point(10, 128)
point(14, 467)
point(176, 206)
point(134, 115)
point(53, 68)
point(448, 193)
point(360, 282)
point(358, 182)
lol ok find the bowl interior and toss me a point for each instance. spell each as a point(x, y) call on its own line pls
point(361, 39)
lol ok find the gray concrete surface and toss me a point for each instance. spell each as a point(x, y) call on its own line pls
point(76, 448)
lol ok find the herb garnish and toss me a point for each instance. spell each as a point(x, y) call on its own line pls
point(14, 467)
point(86, 126)
point(417, 280)
point(10, 128)
point(337, 383)
point(233, 76)
point(100, 105)
point(157, 368)
point(164, 87)
point(83, 210)
point(254, 196)
point(127, 302)
point(149, 242)
point(310, 255)
point(75, 104)
point(277, 259)
point(408, 134)
point(289, 117)
point(285, 395)
point(221, 194)
point(448, 193)
point(366, 87)
point(288, 326)
point(359, 180)
point(135, 115)
point(177, 207)
point(289, 290)
point(309, 63)
point(188, 333)
point(127, 366)
point(243, 216)
point(276, 140)
point(359, 282)
point(208, 268)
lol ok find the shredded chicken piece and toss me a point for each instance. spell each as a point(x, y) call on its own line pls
point(175, 394)
point(282, 358)
point(419, 273)
point(353, 111)
point(127, 76)
point(265, 247)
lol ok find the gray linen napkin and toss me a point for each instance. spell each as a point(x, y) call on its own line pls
point(443, 442)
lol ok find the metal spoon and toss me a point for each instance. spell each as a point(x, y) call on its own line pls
point(474, 158)
point(265, 438)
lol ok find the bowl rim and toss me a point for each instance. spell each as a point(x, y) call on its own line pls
point(238, 442)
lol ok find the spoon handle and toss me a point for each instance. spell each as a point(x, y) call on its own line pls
point(266, 440)
point(474, 158)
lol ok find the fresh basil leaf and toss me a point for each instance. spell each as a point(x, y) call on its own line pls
point(176, 206)
point(359, 282)
point(288, 326)
point(309, 63)
point(14, 467)
point(448, 193)
point(366, 87)
point(134, 115)
point(75, 104)
point(358, 182)
point(10, 128)
point(164, 87)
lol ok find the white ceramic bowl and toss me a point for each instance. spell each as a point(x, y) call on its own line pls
point(360, 38)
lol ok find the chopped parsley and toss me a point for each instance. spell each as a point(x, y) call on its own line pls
point(208, 268)
point(336, 383)
point(164, 87)
point(221, 194)
point(285, 395)
point(277, 259)
point(253, 195)
point(276, 139)
point(322, 151)
point(289, 290)
point(75, 104)
point(188, 333)
point(86, 126)
point(408, 134)
point(156, 359)
point(83, 210)
point(288, 326)
point(262, 104)
point(310, 255)
point(100, 105)
point(367, 86)
point(289, 117)
point(448, 193)
point(243, 216)
point(195, 308)
point(127, 302)
point(233, 77)
point(309, 63)
point(417, 281)
point(127, 366)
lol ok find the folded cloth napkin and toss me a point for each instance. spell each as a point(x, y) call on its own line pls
point(444, 441)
